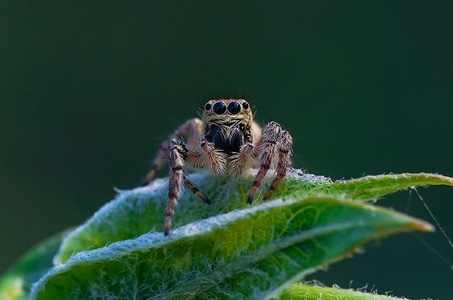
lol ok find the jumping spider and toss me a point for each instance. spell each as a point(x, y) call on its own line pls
point(227, 141)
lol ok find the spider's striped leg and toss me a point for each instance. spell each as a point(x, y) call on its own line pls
point(195, 190)
point(174, 191)
point(267, 150)
point(157, 163)
point(191, 130)
point(284, 161)
point(178, 153)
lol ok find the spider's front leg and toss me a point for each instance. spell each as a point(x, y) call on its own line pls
point(178, 152)
point(190, 130)
point(274, 147)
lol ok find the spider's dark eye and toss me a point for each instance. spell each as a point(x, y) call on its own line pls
point(234, 107)
point(207, 106)
point(245, 105)
point(219, 108)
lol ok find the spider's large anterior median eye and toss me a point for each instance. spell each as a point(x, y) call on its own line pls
point(234, 107)
point(219, 108)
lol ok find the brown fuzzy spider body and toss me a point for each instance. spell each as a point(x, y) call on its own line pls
point(227, 141)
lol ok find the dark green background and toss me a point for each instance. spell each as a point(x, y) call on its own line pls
point(87, 92)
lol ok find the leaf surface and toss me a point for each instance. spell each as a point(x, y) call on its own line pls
point(228, 249)
point(250, 253)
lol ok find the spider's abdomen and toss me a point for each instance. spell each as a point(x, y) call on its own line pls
point(229, 141)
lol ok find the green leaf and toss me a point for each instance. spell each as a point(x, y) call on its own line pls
point(228, 249)
point(315, 292)
point(250, 253)
point(17, 281)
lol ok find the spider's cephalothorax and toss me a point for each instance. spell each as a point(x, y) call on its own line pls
point(226, 141)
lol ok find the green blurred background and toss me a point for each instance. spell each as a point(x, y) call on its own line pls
point(87, 92)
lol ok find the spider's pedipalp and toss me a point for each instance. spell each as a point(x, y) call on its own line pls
point(243, 160)
point(212, 156)
point(246, 157)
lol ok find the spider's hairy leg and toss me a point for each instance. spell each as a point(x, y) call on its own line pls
point(178, 152)
point(191, 130)
point(284, 161)
point(195, 190)
point(267, 150)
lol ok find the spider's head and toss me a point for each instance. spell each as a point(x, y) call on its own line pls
point(227, 123)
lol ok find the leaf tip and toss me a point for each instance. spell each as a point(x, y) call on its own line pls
point(421, 225)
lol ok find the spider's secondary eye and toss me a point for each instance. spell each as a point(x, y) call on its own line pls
point(219, 108)
point(207, 106)
point(245, 105)
point(234, 107)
